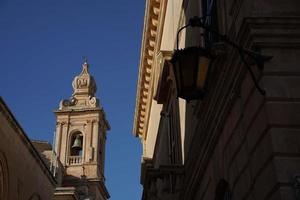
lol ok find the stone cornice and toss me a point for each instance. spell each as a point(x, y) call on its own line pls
point(87, 110)
point(78, 110)
point(150, 42)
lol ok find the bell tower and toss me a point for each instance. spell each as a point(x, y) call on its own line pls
point(80, 138)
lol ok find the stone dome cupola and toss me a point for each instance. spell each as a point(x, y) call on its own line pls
point(84, 84)
point(84, 90)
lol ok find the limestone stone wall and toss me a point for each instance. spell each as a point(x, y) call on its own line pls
point(25, 175)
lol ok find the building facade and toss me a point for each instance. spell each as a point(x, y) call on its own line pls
point(73, 169)
point(234, 143)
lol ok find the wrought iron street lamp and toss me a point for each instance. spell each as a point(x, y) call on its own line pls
point(191, 65)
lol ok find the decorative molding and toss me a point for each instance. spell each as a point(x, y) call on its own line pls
point(84, 89)
point(154, 15)
point(63, 122)
point(76, 103)
point(84, 83)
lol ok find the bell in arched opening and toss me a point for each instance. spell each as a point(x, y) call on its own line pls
point(77, 144)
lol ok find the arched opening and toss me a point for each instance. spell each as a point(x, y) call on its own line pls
point(75, 148)
point(76, 144)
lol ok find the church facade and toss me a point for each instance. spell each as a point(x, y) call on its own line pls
point(73, 169)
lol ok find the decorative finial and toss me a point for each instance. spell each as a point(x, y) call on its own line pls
point(85, 60)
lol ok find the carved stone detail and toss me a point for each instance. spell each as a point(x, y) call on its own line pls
point(93, 102)
point(144, 93)
point(84, 89)
point(84, 83)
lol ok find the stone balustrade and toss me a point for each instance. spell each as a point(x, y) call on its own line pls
point(74, 160)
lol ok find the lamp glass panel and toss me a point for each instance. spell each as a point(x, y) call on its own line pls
point(203, 64)
point(188, 67)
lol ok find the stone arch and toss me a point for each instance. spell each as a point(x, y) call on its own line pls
point(3, 177)
point(72, 137)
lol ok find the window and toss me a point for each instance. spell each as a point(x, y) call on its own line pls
point(209, 10)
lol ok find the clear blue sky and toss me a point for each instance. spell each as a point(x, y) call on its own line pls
point(42, 43)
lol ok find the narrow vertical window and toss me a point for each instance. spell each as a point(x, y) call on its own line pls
point(209, 10)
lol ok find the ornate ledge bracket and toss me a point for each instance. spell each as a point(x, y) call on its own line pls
point(84, 89)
